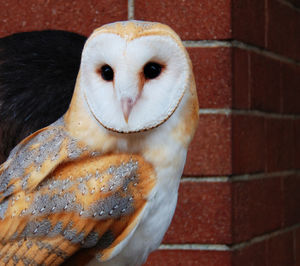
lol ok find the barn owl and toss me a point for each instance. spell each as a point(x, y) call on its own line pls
point(100, 184)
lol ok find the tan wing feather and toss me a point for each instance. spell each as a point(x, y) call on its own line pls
point(58, 196)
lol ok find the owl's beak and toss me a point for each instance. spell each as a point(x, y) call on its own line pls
point(126, 104)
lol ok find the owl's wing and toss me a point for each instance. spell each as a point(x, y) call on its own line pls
point(58, 197)
point(33, 159)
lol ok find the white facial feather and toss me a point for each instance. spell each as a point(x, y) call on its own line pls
point(154, 100)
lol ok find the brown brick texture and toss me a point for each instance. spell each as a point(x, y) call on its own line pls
point(76, 16)
point(193, 20)
point(239, 200)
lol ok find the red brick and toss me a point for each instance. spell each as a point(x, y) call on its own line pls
point(297, 246)
point(283, 29)
point(241, 90)
point(193, 20)
point(212, 68)
point(280, 250)
point(248, 21)
point(257, 207)
point(265, 83)
point(210, 151)
point(78, 16)
point(254, 254)
point(248, 138)
point(297, 143)
point(290, 88)
point(203, 214)
point(189, 258)
point(279, 144)
point(291, 195)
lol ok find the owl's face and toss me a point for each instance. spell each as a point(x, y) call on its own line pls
point(133, 75)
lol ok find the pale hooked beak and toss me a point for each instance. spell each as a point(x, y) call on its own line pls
point(126, 104)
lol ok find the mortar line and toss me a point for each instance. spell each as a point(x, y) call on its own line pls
point(241, 45)
point(263, 237)
point(227, 111)
point(219, 247)
point(207, 43)
point(264, 52)
point(205, 179)
point(263, 175)
point(130, 9)
point(222, 111)
point(226, 247)
point(244, 177)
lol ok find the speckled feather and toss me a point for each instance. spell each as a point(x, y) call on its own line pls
point(56, 190)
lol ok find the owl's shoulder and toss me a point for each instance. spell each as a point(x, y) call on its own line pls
point(56, 187)
point(30, 160)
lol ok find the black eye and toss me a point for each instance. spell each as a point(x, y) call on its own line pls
point(107, 73)
point(152, 70)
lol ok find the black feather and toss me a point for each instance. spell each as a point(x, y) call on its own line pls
point(38, 71)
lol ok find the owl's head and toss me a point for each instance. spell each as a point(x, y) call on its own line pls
point(133, 75)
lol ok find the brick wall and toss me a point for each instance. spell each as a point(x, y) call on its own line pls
point(239, 200)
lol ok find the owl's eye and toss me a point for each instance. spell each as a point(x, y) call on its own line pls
point(152, 70)
point(107, 73)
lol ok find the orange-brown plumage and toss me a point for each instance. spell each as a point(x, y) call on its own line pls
point(84, 179)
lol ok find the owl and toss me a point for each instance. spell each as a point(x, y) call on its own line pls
point(100, 185)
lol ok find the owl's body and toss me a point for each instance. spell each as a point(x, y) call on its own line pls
point(106, 189)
